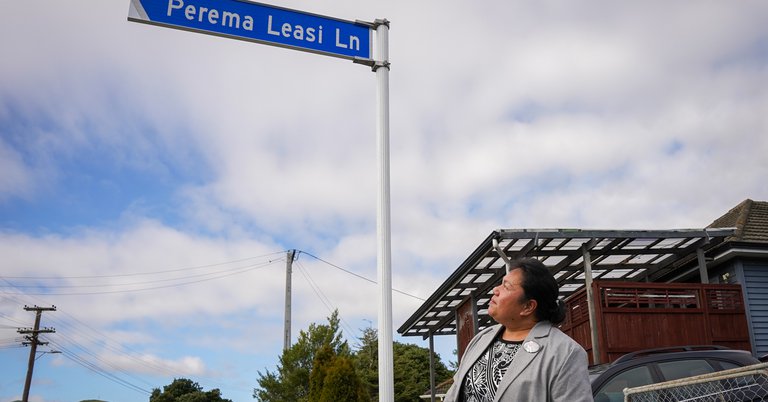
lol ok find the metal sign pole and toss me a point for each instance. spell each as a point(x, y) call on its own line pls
point(384, 235)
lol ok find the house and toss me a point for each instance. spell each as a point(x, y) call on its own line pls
point(731, 250)
point(742, 259)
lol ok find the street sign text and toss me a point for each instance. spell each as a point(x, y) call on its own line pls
point(257, 22)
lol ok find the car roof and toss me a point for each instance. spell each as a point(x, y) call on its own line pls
point(648, 356)
point(675, 352)
point(669, 350)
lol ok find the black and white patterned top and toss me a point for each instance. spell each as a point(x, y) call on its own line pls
point(483, 378)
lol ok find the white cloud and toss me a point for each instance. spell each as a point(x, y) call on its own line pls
point(188, 365)
point(17, 179)
point(503, 115)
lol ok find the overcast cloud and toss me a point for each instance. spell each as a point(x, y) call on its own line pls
point(152, 179)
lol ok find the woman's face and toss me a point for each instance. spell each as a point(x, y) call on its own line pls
point(508, 299)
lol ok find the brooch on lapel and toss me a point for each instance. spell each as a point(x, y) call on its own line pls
point(531, 347)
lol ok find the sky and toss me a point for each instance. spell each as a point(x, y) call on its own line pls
point(153, 179)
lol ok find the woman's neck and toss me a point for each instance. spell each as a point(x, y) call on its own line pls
point(517, 333)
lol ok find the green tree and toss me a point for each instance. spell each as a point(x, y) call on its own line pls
point(334, 379)
point(185, 390)
point(367, 361)
point(323, 360)
point(290, 383)
point(411, 367)
point(342, 383)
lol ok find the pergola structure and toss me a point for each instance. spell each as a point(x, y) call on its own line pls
point(574, 256)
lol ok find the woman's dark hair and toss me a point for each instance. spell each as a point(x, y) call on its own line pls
point(539, 284)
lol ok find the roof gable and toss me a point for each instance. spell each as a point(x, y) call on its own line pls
point(750, 218)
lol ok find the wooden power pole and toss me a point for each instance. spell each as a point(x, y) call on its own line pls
point(32, 340)
point(287, 325)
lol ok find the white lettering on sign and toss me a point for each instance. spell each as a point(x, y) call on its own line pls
point(353, 43)
point(211, 15)
point(298, 32)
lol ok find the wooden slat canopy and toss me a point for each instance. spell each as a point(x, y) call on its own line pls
point(626, 255)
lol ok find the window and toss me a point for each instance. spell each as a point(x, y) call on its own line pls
point(684, 368)
point(613, 389)
point(728, 365)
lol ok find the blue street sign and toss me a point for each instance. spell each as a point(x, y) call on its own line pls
point(245, 20)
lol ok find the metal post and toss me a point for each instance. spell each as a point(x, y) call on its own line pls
point(703, 274)
point(591, 307)
point(431, 368)
point(503, 255)
point(381, 66)
point(287, 323)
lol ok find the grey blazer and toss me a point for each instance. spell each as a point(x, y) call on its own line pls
point(556, 372)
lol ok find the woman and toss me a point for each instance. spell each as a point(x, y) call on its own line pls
point(524, 357)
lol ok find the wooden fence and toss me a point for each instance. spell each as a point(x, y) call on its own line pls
point(635, 315)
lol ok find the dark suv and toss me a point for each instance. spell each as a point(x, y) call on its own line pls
point(657, 365)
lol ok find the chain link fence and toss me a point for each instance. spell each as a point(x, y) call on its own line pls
point(744, 384)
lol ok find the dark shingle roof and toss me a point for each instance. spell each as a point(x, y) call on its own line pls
point(750, 218)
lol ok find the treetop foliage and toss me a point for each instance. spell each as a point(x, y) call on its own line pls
point(320, 367)
point(185, 390)
point(291, 381)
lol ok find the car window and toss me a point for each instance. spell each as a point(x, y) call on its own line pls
point(728, 365)
point(684, 368)
point(613, 389)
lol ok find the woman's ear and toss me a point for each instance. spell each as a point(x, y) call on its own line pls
point(530, 307)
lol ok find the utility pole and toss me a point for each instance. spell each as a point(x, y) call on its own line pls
point(287, 325)
point(32, 340)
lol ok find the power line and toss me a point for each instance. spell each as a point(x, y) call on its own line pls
point(99, 337)
point(11, 343)
point(126, 283)
point(3, 316)
point(323, 298)
point(185, 281)
point(182, 283)
point(96, 363)
point(143, 273)
point(96, 369)
point(357, 275)
point(102, 363)
point(109, 344)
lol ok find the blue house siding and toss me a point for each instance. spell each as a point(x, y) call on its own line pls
point(756, 286)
